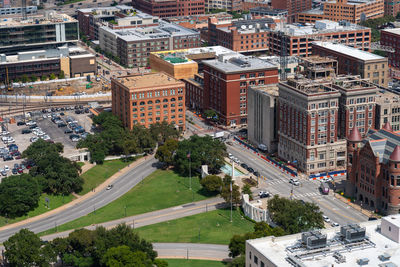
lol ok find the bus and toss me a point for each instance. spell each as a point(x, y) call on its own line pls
point(324, 187)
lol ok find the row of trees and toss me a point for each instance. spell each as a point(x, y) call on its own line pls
point(52, 174)
point(118, 247)
point(375, 24)
point(33, 78)
point(111, 138)
point(291, 216)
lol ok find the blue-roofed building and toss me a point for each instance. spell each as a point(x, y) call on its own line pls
point(373, 169)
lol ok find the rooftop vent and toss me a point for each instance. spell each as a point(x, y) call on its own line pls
point(352, 233)
point(313, 239)
point(363, 261)
point(240, 62)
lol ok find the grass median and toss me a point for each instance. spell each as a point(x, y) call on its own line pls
point(213, 227)
point(161, 189)
point(193, 263)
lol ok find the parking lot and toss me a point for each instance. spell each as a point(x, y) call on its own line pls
point(54, 125)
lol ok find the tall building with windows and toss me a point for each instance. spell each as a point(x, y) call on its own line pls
point(387, 109)
point(147, 99)
point(226, 82)
point(170, 8)
point(292, 6)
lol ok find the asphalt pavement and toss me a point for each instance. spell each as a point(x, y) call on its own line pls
point(121, 186)
point(192, 251)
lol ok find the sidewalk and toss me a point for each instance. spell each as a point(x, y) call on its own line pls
point(82, 198)
point(354, 206)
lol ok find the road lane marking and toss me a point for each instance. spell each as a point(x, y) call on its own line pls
point(338, 213)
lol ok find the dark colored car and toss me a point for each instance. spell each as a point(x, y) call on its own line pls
point(77, 111)
point(14, 171)
point(72, 136)
point(68, 131)
point(20, 170)
point(62, 113)
point(60, 125)
point(244, 165)
point(257, 174)
point(53, 109)
point(20, 123)
point(264, 195)
point(372, 219)
point(8, 158)
point(33, 126)
point(250, 169)
point(26, 131)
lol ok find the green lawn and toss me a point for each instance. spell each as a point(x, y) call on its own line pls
point(81, 164)
point(99, 173)
point(54, 202)
point(160, 190)
point(193, 263)
point(213, 227)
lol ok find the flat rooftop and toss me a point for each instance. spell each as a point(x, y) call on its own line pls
point(314, 11)
point(269, 89)
point(349, 51)
point(163, 30)
point(324, 26)
point(140, 82)
point(317, 59)
point(51, 18)
point(394, 31)
point(235, 62)
point(276, 249)
point(310, 87)
point(355, 2)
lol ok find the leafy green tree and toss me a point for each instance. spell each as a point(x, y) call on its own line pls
point(61, 75)
point(122, 256)
point(165, 153)
point(294, 216)
point(43, 78)
point(163, 131)
point(226, 194)
point(52, 76)
point(247, 190)
point(239, 261)
point(210, 114)
point(18, 195)
point(212, 183)
point(34, 78)
point(25, 249)
point(203, 151)
point(24, 78)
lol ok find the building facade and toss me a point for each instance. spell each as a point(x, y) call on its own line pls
point(292, 6)
point(353, 11)
point(195, 92)
point(308, 125)
point(262, 117)
point(373, 176)
point(39, 32)
point(392, 7)
point(356, 62)
point(226, 82)
point(147, 99)
point(170, 8)
point(17, 10)
point(227, 5)
point(391, 38)
point(387, 110)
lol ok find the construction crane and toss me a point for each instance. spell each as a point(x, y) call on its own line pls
point(9, 87)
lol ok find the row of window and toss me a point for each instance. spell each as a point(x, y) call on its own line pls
point(179, 91)
point(150, 102)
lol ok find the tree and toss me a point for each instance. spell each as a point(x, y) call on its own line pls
point(34, 78)
point(165, 153)
point(26, 249)
point(226, 194)
point(24, 78)
point(122, 256)
point(61, 75)
point(43, 78)
point(210, 114)
point(294, 216)
point(52, 76)
point(163, 131)
point(238, 261)
point(212, 183)
point(247, 190)
point(18, 195)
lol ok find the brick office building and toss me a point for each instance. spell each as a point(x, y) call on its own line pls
point(391, 38)
point(292, 6)
point(147, 99)
point(392, 7)
point(226, 81)
point(195, 92)
point(356, 62)
point(373, 173)
point(228, 5)
point(170, 8)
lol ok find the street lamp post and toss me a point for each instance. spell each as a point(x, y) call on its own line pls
point(231, 199)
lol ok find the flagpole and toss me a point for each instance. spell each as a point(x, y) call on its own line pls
point(231, 200)
point(190, 171)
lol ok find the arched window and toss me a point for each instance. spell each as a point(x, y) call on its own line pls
point(158, 101)
point(149, 102)
point(173, 99)
point(142, 103)
point(165, 100)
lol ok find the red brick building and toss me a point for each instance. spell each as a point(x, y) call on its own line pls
point(226, 82)
point(392, 7)
point(170, 8)
point(195, 92)
point(373, 169)
point(391, 38)
point(292, 6)
point(147, 99)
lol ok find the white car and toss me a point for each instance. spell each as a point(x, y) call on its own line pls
point(6, 168)
point(30, 123)
point(34, 139)
point(334, 224)
point(45, 137)
point(109, 187)
point(294, 181)
point(5, 133)
point(326, 219)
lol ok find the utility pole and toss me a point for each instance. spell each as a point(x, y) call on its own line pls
point(190, 171)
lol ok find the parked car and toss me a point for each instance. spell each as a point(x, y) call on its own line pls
point(20, 170)
point(244, 166)
point(34, 139)
point(60, 125)
point(68, 131)
point(14, 171)
point(3, 172)
point(264, 195)
point(326, 219)
point(109, 187)
point(6, 168)
point(26, 131)
point(250, 169)
point(20, 123)
point(8, 158)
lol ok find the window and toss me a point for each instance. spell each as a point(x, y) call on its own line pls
point(165, 100)
point(243, 76)
point(252, 75)
point(261, 74)
point(255, 259)
point(142, 103)
point(150, 102)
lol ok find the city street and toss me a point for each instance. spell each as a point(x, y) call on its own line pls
point(277, 182)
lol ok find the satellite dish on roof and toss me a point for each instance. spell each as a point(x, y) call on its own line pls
point(250, 26)
point(243, 27)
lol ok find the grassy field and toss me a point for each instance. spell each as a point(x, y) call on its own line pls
point(193, 263)
point(213, 227)
point(160, 190)
point(99, 173)
point(54, 202)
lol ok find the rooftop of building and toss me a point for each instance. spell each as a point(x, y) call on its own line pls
point(108, 8)
point(195, 81)
point(281, 250)
point(236, 63)
point(310, 87)
point(314, 11)
point(349, 51)
point(319, 27)
point(317, 60)
point(382, 143)
point(201, 17)
point(349, 83)
point(250, 26)
point(163, 30)
point(386, 97)
point(150, 80)
point(269, 10)
point(38, 55)
point(276, 59)
point(268, 89)
point(394, 31)
point(355, 2)
point(184, 56)
point(50, 17)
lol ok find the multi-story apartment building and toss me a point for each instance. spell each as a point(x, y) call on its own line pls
point(387, 110)
point(248, 4)
point(356, 105)
point(298, 39)
point(170, 8)
point(195, 92)
point(73, 62)
point(356, 62)
point(292, 6)
point(226, 82)
point(262, 117)
point(241, 35)
point(147, 99)
point(316, 67)
point(392, 7)
point(134, 45)
point(373, 176)
point(391, 38)
point(199, 22)
point(227, 5)
point(37, 32)
point(308, 125)
point(353, 11)
point(17, 10)
point(267, 11)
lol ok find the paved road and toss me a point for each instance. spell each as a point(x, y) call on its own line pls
point(278, 183)
point(192, 251)
point(121, 186)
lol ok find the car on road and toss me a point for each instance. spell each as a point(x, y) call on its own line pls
point(294, 181)
point(264, 194)
point(250, 169)
point(26, 131)
point(244, 166)
point(257, 174)
point(334, 224)
point(326, 219)
point(109, 187)
point(372, 219)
